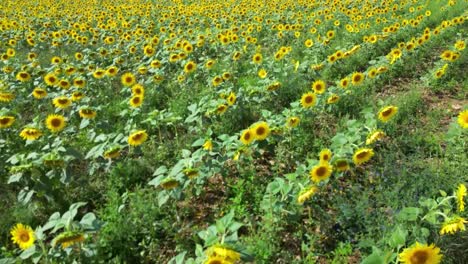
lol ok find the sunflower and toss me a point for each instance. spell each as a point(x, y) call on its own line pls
point(190, 67)
point(319, 87)
point(55, 123)
point(333, 98)
point(306, 194)
point(209, 64)
point(325, 155)
point(137, 138)
point(257, 58)
point(23, 76)
point(262, 73)
point(23, 236)
point(460, 45)
point(221, 109)
point(386, 113)
point(148, 51)
point(375, 136)
point(138, 89)
point(208, 145)
point(321, 172)
point(261, 131)
point(51, 79)
point(30, 133)
point(6, 121)
point(128, 79)
point(452, 225)
point(87, 113)
point(231, 98)
point(463, 119)
point(112, 153)
point(362, 155)
point(446, 55)
point(61, 102)
point(247, 137)
point(341, 165)
point(420, 254)
point(221, 251)
point(79, 83)
point(217, 80)
point(216, 260)
point(99, 73)
point(169, 183)
point(308, 100)
point(461, 193)
point(293, 121)
point(68, 238)
point(344, 83)
point(308, 43)
point(136, 101)
point(357, 78)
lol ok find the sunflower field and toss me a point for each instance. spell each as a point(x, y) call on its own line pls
point(222, 132)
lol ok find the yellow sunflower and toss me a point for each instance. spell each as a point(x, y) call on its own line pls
point(306, 194)
point(247, 137)
point(51, 79)
point(463, 119)
point(30, 134)
point(325, 155)
point(362, 155)
point(231, 98)
point(319, 87)
point(39, 93)
point(87, 113)
point(421, 254)
point(357, 78)
point(262, 73)
point(112, 153)
point(308, 100)
point(61, 102)
point(23, 76)
point(333, 98)
point(6, 121)
point(23, 236)
point(461, 193)
point(55, 123)
point(293, 121)
point(341, 165)
point(386, 113)
point(261, 131)
point(257, 58)
point(137, 138)
point(344, 83)
point(452, 225)
point(221, 251)
point(375, 136)
point(136, 101)
point(221, 109)
point(190, 67)
point(208, 145)
point(68, 238)
point(128, 79)
point(169, 183)
point(138, 89)
point(216, 260)
point(321, 172)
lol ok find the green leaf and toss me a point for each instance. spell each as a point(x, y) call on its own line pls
point(398, 237)
point(28, 252)
point(409, 214)
point(374, 258)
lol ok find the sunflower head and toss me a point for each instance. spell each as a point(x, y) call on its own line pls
point(261, 131)
point(321, 172)
point(55, 123)
point(319, 87)
point(23, 236)
point(362, 155)
point(386, 113)
point(308, 100)
point(463, 119)
point(247, 136)
point(421, 254)
point(137, 138)
point(6, 121)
